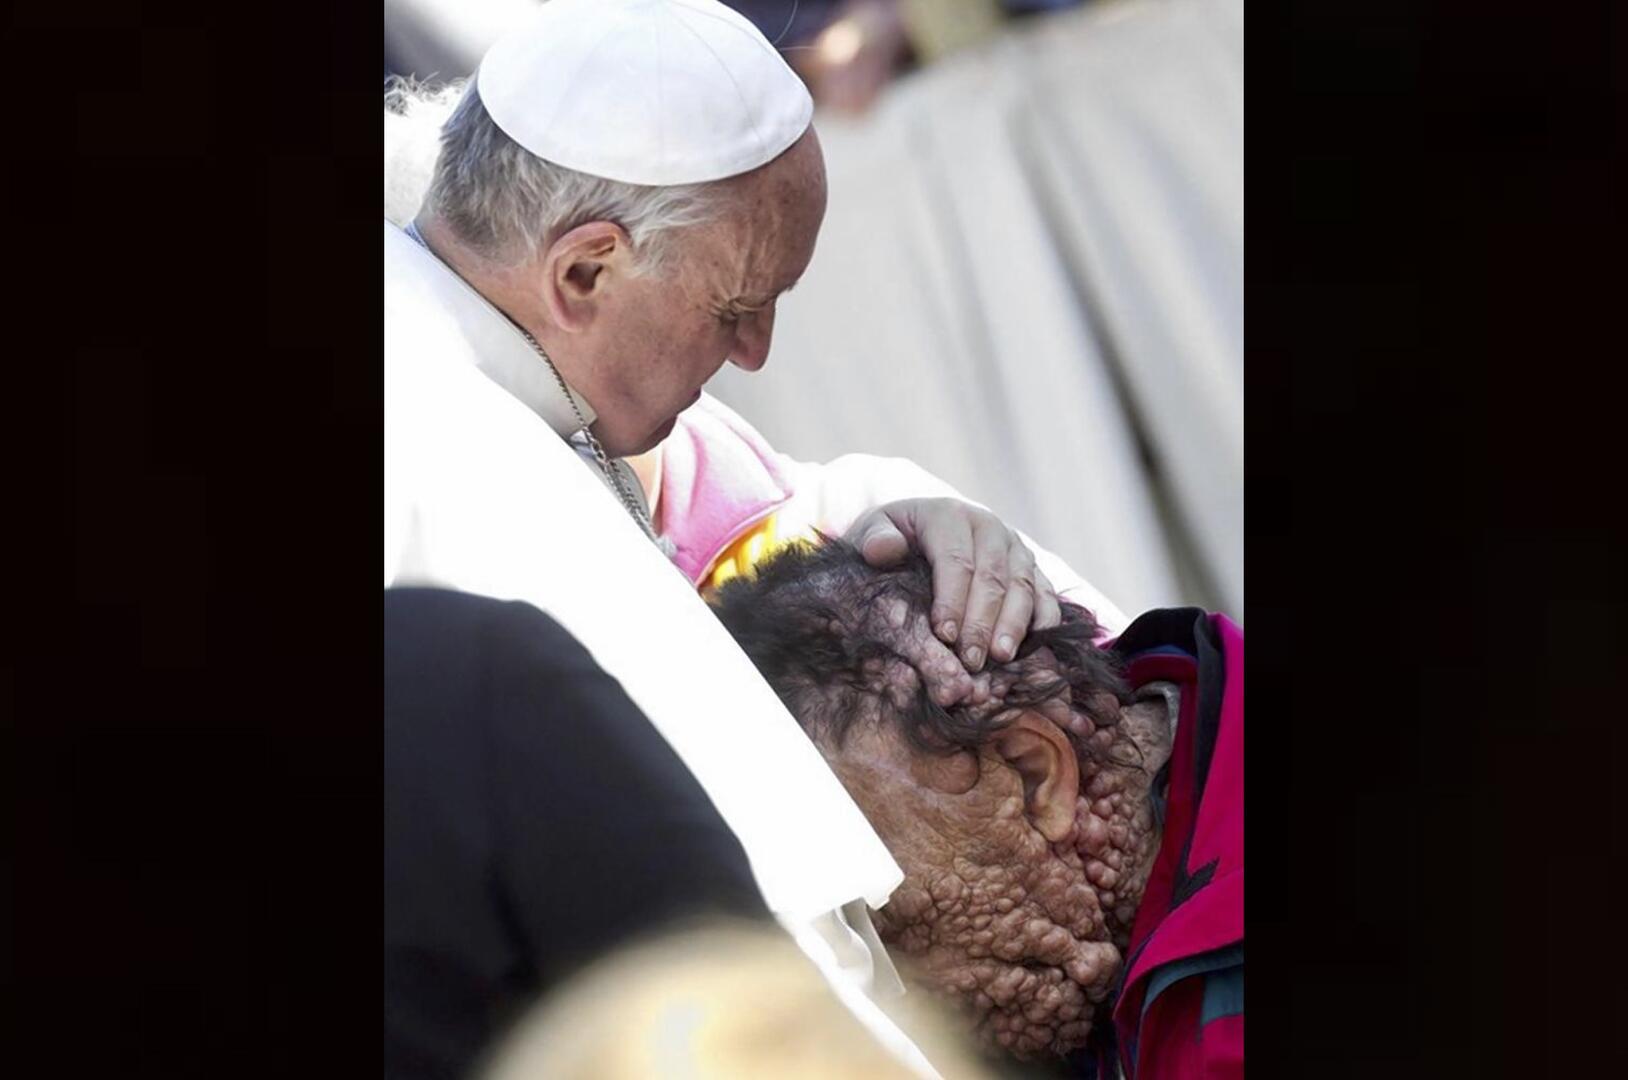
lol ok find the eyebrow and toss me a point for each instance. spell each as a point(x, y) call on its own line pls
point(765, 301)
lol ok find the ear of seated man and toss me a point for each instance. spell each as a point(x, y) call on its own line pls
point(1023, 818)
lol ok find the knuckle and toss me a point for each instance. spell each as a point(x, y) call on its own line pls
point(989, 581)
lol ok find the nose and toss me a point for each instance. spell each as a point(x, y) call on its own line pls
point(752, 337)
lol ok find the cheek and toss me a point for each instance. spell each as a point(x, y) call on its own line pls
point(667, 350)
point(883, 788)
point(715, 346)
point(952, 774)
point(633, 339)
point(924, 826)
point(925, 831)
point(691, 349)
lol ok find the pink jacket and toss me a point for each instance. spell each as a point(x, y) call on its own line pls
point(719, 478)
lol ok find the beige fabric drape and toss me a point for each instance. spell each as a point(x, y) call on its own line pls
point(1030, 281)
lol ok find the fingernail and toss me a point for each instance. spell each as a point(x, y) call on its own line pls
point(974, 657)
point(1005, 645)
point(947, 629)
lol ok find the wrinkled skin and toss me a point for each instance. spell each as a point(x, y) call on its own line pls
point(1027, 935)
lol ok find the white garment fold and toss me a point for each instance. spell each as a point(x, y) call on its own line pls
point(483, 495)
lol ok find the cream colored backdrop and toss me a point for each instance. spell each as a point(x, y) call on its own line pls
point(1032, 270)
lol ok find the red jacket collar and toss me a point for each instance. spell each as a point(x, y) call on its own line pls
point(1194, 902)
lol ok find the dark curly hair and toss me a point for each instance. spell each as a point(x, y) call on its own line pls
point(808, 618)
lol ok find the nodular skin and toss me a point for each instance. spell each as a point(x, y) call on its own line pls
point(1022, 818)
point(1024, 934)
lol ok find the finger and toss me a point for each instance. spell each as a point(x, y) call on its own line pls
point(1048, 608)
point(947, 542)
point(1016, 608)
point(879, 540)
point(943, 673)
point(990, 577)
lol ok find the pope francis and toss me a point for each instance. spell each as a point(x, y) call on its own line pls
point(619, 198)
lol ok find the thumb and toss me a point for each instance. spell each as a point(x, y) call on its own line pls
point(880, 541)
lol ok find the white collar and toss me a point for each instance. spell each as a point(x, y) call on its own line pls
point(500, 349)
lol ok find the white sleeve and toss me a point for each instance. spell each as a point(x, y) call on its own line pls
point(845, 949)
point(831, 497)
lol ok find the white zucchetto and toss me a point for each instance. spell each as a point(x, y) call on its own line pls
point(656, 92)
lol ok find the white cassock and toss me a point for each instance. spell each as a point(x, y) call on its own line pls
point(484, 495)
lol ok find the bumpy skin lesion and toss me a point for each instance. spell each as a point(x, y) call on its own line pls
point(1115, 830)
point(999, 922)
point(1025, 935)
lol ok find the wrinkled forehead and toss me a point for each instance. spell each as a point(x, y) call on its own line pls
point(764, 238)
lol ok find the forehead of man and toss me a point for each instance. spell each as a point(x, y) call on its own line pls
point(765, 239)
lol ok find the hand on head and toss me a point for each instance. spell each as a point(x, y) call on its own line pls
point(987, 590)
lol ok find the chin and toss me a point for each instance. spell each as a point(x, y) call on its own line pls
point(662, 432)
point(651, 441)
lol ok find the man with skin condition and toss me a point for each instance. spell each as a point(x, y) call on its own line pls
point(623, 193)
point(1072, 838)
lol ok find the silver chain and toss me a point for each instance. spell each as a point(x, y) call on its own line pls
point(629, 501)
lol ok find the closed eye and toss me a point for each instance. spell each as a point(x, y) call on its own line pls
point(751, 304)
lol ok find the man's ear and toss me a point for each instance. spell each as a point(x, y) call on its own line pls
point(577, 270)
point(1041, 753)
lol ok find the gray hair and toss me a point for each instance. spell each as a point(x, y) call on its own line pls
point(413, 116)
point(507, 204)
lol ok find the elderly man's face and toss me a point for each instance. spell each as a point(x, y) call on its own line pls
point(665, 334)
point(1019, 919)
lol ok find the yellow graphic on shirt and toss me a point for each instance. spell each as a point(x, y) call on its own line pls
point(747, 550)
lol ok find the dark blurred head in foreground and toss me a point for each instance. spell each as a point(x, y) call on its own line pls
point(1021, 818)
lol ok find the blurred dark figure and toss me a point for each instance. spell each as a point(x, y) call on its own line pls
point(847, 51)
point(533, 819)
